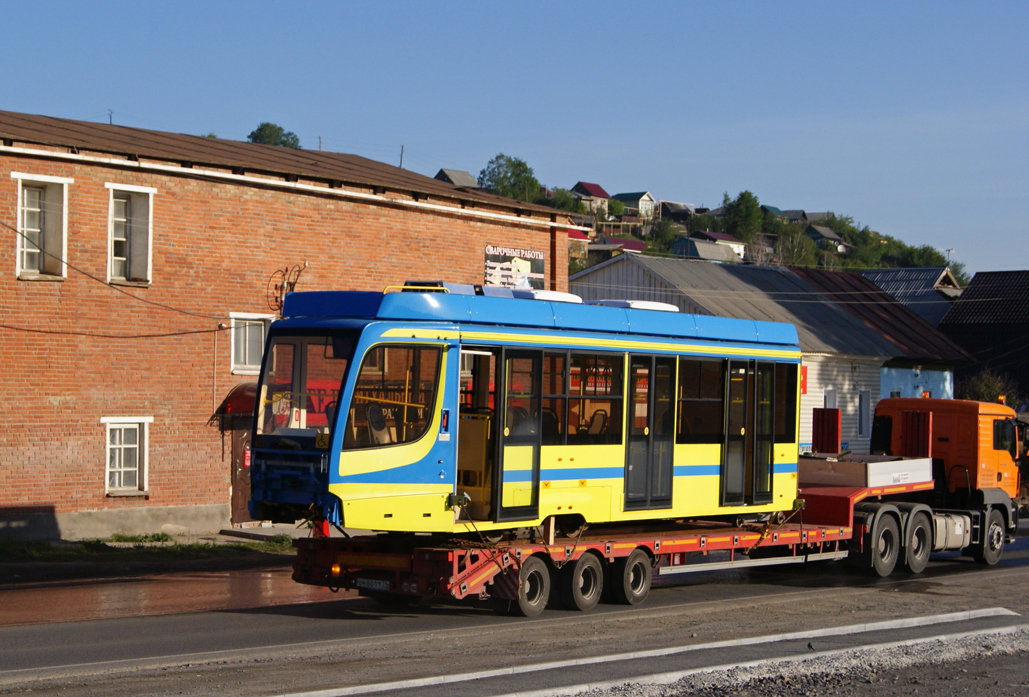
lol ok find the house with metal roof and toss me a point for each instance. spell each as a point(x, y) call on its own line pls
point(592, 195)
point(141, 270)
point(457, 177)
point(695, 248)
point(738, 246)
point(926, 291)
point(844, 353)
point(639, 203)
point(927, 359)
point(991, 321)
point(825, 238)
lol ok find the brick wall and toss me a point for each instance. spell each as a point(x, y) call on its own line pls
point(77, 350)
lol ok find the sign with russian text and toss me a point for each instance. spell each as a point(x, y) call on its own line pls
point(513, 267)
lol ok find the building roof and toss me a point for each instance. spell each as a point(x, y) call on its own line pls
point(701, 249)
point(718, 237)
point(817, 217)
point(992, 297)
point(794, 215)
point(632, 198)
point(760, 293)
point(858, 295)
point(591, 189)
point(773, 210)
point(577, 235)
point(189, 151)
point(457, 177)
point(822, 231)
point(927, 291)
point(629, 244)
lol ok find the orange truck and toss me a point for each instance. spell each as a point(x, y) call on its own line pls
point(978, 452)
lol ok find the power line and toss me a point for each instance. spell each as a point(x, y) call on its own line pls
point(105, 283)
point(102, 335)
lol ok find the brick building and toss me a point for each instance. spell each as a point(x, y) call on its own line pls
point(139, 271)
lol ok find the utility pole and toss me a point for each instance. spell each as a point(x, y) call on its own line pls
point(319, 143)
point(401, 157)
point(110, 117)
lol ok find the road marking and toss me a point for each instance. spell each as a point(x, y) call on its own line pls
point(675, 676)
point(657, 653)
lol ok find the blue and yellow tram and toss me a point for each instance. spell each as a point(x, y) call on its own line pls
point(454, 409)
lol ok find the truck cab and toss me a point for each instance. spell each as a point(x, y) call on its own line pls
point(974, 446)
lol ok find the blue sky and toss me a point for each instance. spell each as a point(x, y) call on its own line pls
point(910, 117)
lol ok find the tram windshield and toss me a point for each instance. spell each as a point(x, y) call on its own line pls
point(300, 387)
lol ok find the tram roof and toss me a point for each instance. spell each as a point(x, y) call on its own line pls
point(542, 314)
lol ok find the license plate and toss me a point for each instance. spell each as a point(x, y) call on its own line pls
point(373, 584)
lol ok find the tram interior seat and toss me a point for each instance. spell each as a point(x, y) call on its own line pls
point(598, 421)
point(378, 429)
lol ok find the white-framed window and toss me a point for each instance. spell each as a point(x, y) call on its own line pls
point(829, 397)
point(127, 454)
point(129, 233)
point(248, 334)
point(864, 412)
point(42, 240)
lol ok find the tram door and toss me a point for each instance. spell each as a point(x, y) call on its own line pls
point(749, 434)
point(650, 432)
point(516, 494)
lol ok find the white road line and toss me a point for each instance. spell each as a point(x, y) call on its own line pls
point(656, 653)
point(675, 676)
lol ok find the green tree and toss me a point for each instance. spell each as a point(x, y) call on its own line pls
point(562, 199)
point(615, 207)
point(987, 386)
point(663, 235)
point(794, 248)
point(743, 216)
point(270, 134)
point(510, 177)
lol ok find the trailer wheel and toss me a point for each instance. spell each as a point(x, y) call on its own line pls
point(885, 546)
point(533, 587)
point(919, 544)
point(630, 578)
point(582, 583)
point(993, 541)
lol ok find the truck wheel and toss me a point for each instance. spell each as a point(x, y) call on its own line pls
point(993, 539)
point(919, 544)
point(630, 578)
point(885, 546)
point(582, 582)
point(533, 587)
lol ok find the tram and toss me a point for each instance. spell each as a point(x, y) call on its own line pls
point(451, 409)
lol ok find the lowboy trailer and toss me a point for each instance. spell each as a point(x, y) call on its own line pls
point(867, 510)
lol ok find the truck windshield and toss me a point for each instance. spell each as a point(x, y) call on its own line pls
point(300, 385)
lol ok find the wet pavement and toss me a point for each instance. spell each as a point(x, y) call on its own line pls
point(163, 593)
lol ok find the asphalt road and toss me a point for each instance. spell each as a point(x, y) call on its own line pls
point(254, 632)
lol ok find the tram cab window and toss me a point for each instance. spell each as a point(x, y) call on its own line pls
point(395, 396)
point(701, 401)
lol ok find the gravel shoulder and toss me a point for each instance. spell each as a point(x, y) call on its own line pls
point(985, 665)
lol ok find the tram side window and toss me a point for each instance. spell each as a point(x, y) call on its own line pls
point(395, 396)
point(785, 403)
point(701, 401)
point(595, 399)
point(553, 418)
